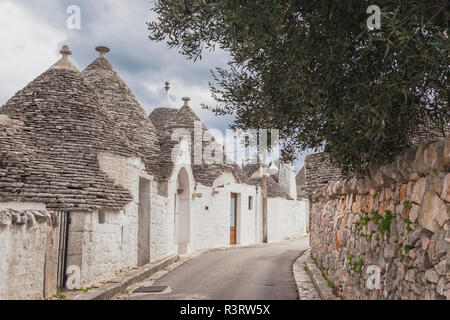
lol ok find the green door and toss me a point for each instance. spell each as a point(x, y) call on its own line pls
point(233, 213)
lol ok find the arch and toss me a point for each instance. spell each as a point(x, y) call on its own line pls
point(182, 210)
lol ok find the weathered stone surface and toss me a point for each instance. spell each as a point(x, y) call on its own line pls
point(31, 221)
point(410, 275)
point(441, 286)
point(5, 219)
point(416, 234)
point(446, 188)
point(389, 251)
point(419, 190)
point(404, 164)
point(27, 217)
point(414, 176)
point(351, 185)
point(431, 276)
point(433, 156)
point(411, 248)
point(363, 185)
point(414, 213)
point(420, 167)
point(425, 241)
point(438, 247)
point(446, 153)
point(441, 268)
point(434, 212)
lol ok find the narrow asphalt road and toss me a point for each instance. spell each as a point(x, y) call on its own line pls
point(259, 272)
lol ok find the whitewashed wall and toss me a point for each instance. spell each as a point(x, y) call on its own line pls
point(286, 218)
point(293, 218)
point(210, 225)
point(101, 249)
point(286, 178)
point(104, 249)
point(24, 245)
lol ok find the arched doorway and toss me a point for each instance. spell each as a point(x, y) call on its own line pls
point(182, 211)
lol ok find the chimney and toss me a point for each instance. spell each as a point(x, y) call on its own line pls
point(186, 101)
point(103, 50)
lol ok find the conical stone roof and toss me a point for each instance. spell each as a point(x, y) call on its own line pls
point(123, 108)
point(56, 127)
point(167, 120)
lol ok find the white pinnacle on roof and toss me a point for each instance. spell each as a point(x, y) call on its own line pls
point(167, 101)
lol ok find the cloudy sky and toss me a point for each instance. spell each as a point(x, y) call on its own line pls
point(32, 33)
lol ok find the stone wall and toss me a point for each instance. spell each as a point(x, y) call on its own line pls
point(28, 254)
point(397, 219)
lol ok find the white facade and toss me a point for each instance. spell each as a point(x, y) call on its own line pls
point(105, 242)
point(286, 178)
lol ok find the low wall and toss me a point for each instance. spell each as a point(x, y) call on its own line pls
point(28, 254)
point(286, 219)
point(394, 222)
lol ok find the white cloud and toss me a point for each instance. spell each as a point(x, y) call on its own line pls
point(29, 45)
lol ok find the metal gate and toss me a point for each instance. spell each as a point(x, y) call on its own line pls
point(64, 221)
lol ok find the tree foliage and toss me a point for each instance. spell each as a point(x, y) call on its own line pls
point(315, 71)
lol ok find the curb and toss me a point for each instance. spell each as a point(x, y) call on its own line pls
point(305, 287)
point(318, 280)
point(121, 283)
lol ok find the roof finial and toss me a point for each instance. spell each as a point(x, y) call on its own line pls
point(65, 51)
point(103, 50)
point(167, 87)
point(186, 101)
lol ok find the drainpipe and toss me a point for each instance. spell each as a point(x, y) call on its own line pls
point(265, 202)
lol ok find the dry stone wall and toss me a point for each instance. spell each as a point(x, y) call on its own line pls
point(395, 219)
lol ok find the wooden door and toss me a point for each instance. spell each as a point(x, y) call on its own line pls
point(233, 218)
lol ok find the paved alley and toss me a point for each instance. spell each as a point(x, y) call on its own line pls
point(258, 272)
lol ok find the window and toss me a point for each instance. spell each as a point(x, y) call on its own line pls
point(250, 203)
point(102, 217)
